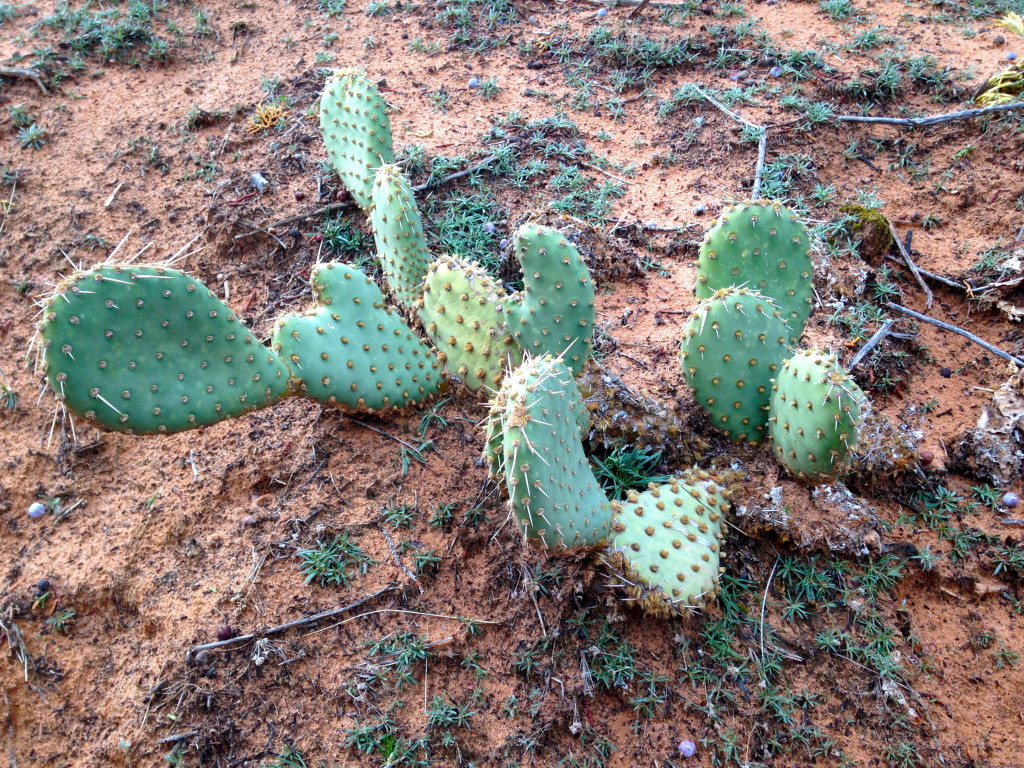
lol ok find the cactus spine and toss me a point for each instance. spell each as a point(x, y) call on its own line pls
point(554, 313)
point(398, 233)
point(356, 129)
point(763, 247)
point(463, 318)
point(552, 489)
point(732, 346)
point(666, 544)
point(815, 415)
point(150, 350)
point(351, 351)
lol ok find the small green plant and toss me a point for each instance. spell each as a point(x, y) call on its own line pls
point(32, 137)
point(443, 516)
point(62, 621)
point(334, 563)
point(626, 468)
point(8, 397)
point(399, 515)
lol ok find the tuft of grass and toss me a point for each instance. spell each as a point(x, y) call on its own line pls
point(334, 563)
point(626, 468)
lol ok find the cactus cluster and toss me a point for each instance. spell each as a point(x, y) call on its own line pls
point(737, 349)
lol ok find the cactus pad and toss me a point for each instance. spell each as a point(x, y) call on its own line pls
point(351, 351)
point(732, 347)
point(462, 315)
point(554, 313)
point(357, 130)
point(816, 409)
point(763, 247)
point(666, 544)
point(552, 489)
point(398, 233)
point(150, 350)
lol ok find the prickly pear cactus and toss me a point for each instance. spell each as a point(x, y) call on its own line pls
point(462, 315)
point(665, 548)
point(554, 313)
point(150, 350)
point(552, 489)
point(357, 130)
point(732, 347)
point(351, 351)
point(763, 247)
point(816, 409)
point(398, 233)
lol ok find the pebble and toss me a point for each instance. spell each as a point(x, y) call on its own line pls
point(203, 657)
point(474, 82)
point(737, 76)
point(927, 457)
point(504, 243)
point(488, 227)
point(225, 632)
point(300, 195)
point(700, 209)
point(602, 13)
point(36, 510)
point(775, 72)
point(42, 587)
point(250, 521)
point(1010, 499)
point(1011, 56)
point(687, 748)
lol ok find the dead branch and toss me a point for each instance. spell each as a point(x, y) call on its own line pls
point(918, 122)
point(955, 329)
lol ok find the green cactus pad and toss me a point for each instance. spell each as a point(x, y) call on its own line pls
point(398, 233)
point(732, 347)
point(149, 350)
point(552, 489)
point(462, 315)
point(352, 351)
point(765, 248)
point(554, 313)
point(665, 548)
point(816, 411)
point(356, 129)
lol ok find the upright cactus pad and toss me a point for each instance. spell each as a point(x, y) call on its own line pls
point(351, 351)
point(765, 248)
point(554, 313)
point(463, 317)
point(815, 409)
point(357, 130)
point(398, 233)
point(552, 489)
point(666, 544)
point(150, 350)
point(732, 347)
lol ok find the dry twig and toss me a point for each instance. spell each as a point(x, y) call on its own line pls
point(29, 74)
point(762, 142)
point(905, 253)
point(918, 122)
point(966, 334)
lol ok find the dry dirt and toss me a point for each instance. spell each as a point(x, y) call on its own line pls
point(151, 546)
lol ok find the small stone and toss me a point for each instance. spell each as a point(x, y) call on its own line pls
point(36, 510)
point(225, 632)
point(945, 372)
point(700, 209)
point(998, 40)
point(1010, 499)
point(687, 748)
point(42, 587)
point(1011, 56)
point(737, 76)
point(602, 13)
point(474, 82)
point(503, 243)
point(250, 521)
point(488, 227)
point(210, 673)
point(203, 657)
point(300, 195)
point(775, 72)
point(927, 457)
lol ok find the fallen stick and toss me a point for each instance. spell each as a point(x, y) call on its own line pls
point(918, 122)
point(873, 342)
point(349, 203)
point(955, 329)
point(762, 142)
point(930, 275)
point(905, 253)
point(284, 627)
point(28, 74)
